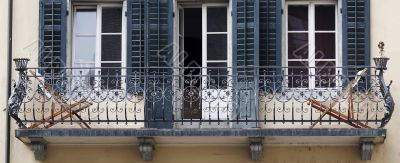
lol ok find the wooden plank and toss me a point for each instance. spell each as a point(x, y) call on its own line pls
point(69, 115)
point(63, 110)
point(336, 114)
point(65, 107)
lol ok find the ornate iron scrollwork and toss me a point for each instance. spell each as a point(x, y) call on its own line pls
point(381, 62)
point(19, 93)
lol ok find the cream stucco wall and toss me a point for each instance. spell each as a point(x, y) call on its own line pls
point(385, 26)
point(3, 76)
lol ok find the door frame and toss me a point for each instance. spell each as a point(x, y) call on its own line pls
point(204, 6)
point(228, 32)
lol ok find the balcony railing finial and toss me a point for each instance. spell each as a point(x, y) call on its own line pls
point(381, 60)
point(21, 63)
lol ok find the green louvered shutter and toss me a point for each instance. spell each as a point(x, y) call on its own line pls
point(159, 33)
point(136, 39)
point(245, 60)
point(53, 26)
point(270, 44)
point(356, 38)
point(149, 54)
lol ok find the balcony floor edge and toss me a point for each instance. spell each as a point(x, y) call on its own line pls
point(279, 136)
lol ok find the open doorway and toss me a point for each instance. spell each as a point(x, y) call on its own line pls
point(192, 61)
point(204, 45)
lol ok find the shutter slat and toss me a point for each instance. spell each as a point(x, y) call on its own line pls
point(52, 44)
point(270, 41)
point(356, 36)
point(270, 54)
point(150, 33)
point(245, 59)
point(136, 27)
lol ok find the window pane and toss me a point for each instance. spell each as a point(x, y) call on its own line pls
point(324, 17)
point(218, 75)
point(85, 22)
point(111, 20)
point(217, 47)
point(325, 74)
point(216, 19)
point(83, 78)
point(85, 49)
point(298, 46)
point(298, 74)
point(111, 48)
point(298, 18)
point(325, 46)
point(111, 75)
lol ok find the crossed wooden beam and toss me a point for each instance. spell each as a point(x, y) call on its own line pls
point(327, 108)
point(69, 110)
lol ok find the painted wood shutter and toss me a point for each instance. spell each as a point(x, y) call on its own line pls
point(150, 32)
point(136, 37)
point(245, 60)
point(270, 43)
point(53, 40)
point(356, 37)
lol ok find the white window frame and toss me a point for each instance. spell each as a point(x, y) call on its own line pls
point(205, 33)
point(311, 39)
point(98, 62)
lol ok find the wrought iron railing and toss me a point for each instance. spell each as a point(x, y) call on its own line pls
point(196, 96)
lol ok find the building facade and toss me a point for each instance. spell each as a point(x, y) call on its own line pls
point(199, 81)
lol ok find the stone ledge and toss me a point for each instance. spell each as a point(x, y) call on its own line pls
point(24, 134)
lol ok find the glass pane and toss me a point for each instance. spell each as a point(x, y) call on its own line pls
point(218, 75)
point(325, 74)
point(111, 76)
point(216, 19)
point(84, 78)
point(111, 20)
point(298, 18)
point(325, 46)
point(298, 45)
point(85, 22)
point(181, 23)
point(325, 17)
point(298, 74)
point(216, 47)
point(85, 49)
point(111, 48)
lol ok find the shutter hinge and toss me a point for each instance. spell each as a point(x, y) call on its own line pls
point(126, 13)
point(67, 12)
point(173, 14)
point(282, 11)
point(341, 10)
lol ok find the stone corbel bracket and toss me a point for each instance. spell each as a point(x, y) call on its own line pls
point(367, 147)
point(146, 148)
point(39, 148)
point(256, 148)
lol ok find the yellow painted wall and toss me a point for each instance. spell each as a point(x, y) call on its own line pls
point(385, 26)
point(211, 154)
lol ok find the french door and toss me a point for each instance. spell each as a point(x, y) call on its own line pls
point(203, 35)
point(216, 62)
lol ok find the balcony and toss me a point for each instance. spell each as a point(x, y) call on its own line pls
point(210, 105)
